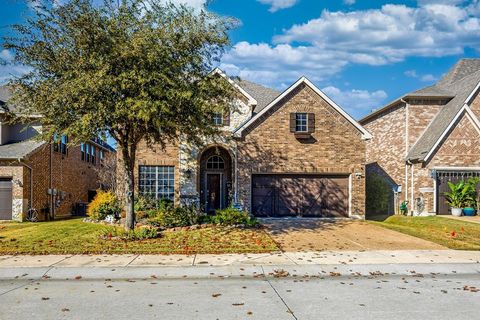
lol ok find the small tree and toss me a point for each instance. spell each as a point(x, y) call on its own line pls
point(136, 69)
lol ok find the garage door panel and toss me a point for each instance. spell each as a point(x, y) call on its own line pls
point(6, 200)
point(300, 195)
point(335, 197)
point(263, 201)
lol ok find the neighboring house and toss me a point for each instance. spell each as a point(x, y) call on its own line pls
point(426, 138)
point(52, 178)
point(291, 154)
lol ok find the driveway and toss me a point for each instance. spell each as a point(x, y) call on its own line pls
point(330, 234)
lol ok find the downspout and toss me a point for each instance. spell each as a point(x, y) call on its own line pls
point(235, 195)
point(406, 148)
point(411, 185)
point(30, 205)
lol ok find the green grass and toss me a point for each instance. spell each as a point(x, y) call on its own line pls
point(77, 237)
point(466, 235)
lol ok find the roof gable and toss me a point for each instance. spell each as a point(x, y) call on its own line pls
point(305, 81)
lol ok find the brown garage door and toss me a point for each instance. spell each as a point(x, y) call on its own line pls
point(299, 195)
point(5, 199)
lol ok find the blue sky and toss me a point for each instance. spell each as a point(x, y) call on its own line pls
point(362, 53)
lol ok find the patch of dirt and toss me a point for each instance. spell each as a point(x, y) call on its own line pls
point(321, 235)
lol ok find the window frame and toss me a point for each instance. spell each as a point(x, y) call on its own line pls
point(157, 181)
point(303, 124)
point(218, 119)
point(219, 164)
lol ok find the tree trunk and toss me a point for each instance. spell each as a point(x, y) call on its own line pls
point(128, 165)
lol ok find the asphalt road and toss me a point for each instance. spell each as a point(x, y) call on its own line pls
point(332, 297)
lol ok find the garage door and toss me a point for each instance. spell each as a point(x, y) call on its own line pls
point(299, 195)
point(5, 199)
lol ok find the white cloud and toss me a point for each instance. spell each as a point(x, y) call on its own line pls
point(356, 101)
point(276, 5)
point(349, 2)
point(424, 78)
point(322, 47)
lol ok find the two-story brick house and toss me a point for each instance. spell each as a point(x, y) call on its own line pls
point(295, 153)
point(52, 178)
point(426, 138)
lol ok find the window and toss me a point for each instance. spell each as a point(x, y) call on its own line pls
point(82, 151)
point(60, 145)
point(87, 148)
point(157, 181)
point(93, 154)
point(215, 162)
point(301, 122)
point(218, 118)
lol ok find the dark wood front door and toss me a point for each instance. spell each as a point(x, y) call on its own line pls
point(214, 190)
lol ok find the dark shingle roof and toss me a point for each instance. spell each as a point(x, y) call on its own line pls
point(262, 94)
point(19, 150)
point(462, 87)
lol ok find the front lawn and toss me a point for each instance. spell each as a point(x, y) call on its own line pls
point(76, 237)
point(450, 233)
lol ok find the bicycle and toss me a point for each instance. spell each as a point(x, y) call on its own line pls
point(32, 215)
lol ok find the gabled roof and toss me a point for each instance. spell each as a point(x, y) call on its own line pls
point(464, 88)
point(261, 94)
point(303, 80)
point(19, 150)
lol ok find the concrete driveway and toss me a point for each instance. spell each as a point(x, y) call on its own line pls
point(301, 234)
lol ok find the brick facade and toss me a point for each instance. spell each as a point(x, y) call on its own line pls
point(393, 137)
point(71, 177)
point(335, 147)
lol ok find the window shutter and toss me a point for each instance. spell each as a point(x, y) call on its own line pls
point(311, 122)
point(226, 118)
point(293, 122)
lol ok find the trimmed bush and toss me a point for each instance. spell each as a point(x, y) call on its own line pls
point(232, 216)
point(105, 203)
point(168, 216)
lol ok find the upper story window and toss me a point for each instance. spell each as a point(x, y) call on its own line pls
point(215, 162)
point(218, 118)
point(60, 145)
point(88, 153)
point(302, 123)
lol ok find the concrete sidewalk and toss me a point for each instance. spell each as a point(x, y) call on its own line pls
point(379, 257)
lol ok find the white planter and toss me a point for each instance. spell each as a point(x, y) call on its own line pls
point(456, 212)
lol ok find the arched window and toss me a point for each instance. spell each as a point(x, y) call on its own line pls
point(215, 162)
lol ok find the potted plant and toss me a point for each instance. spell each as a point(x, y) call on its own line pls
point(456, 197)
point(470, 200)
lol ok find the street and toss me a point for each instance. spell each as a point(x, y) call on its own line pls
point(278, 296)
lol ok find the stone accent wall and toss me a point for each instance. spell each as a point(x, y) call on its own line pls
point(9, 169)
point(335, 147)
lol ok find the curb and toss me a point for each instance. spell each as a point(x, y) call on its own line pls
point(239, 271)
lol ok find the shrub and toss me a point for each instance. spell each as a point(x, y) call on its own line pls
point(135, 234)
point(180, 216)
point(145, 203)
point(233, 216)
point(105, 203)
point(378, 193)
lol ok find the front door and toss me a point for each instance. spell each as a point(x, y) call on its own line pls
point(214, 190)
